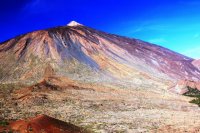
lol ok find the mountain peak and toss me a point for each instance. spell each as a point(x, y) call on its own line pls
point(96, 51)
point(73, 23)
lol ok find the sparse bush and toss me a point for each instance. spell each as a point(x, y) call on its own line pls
point(196, 101)
point(3, 123)
point(193, 92)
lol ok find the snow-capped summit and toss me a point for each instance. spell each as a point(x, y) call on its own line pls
point(73, 23)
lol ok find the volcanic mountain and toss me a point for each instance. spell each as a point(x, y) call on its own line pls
point(83, 53)
point(95, 80)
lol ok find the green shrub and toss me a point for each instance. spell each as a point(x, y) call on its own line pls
point(193, 92)
point(196, 101)
point(3, 123)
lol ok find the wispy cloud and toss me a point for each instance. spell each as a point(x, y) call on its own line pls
point(153, 27)
point(197, 35)
point(145, 26)
point(160, 27)
point(190, 2)
point(136, 30)
point(35, 2)
point(157, 40)
point(37, 6)
point(193, 52)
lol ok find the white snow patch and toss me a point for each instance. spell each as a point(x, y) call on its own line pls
point(73, 23)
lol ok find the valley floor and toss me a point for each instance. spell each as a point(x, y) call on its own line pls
point(103, 109)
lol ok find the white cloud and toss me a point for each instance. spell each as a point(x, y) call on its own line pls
point(157, 40)
point(152, 27)
point(197, 35)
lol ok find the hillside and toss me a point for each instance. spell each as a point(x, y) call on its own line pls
point(97, 80)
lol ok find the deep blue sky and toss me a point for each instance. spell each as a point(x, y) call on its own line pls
point(174, 24)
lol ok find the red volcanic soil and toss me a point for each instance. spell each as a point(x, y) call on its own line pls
point(42, 124)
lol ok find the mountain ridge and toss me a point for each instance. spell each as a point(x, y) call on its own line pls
point(100, 51)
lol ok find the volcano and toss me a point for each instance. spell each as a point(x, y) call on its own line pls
point(81, 52)
point(97, 80)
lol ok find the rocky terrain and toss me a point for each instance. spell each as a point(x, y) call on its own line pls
point(41, 123)
point(97, 81)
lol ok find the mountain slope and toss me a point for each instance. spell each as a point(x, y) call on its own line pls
point(196, 63)
point(99, 81)
point(85, 51)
